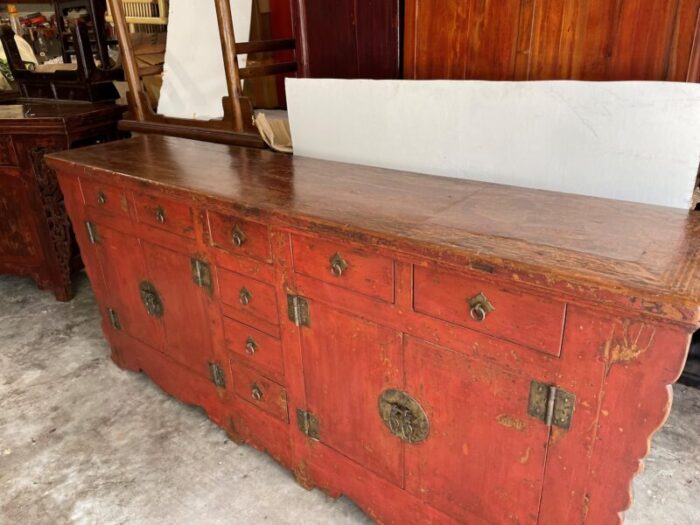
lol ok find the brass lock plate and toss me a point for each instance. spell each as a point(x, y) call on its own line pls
point(151, 299)
point(403, 416)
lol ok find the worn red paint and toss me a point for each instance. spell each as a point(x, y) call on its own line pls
point(397, 318)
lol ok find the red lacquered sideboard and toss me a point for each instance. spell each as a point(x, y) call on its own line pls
point(35, 233)
point(440, 351)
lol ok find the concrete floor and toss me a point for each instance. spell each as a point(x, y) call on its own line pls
point(83, 442)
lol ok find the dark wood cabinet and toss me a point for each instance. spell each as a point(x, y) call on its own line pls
point(35, 233)
point(428, 366)
point(544, 40)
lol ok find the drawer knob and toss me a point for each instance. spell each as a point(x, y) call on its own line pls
point(160, 214)
point(250, 346)
point(480, 307)
point(245, 296)
point(101, 197)
point(237, 236)
point(256, 392)
point(338, 265)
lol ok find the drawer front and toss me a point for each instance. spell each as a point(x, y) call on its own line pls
point(166, 214)
point(249, 299)
point(239, 237)
point(104, 197)
point(256, 347)
point(7, 152)
point(528, 320)
point(345, 266)
point(260, 391)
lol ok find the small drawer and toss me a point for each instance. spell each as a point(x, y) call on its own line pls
point(256, 347)
point(109, 199)
point(260, 391)
point(250, 299)
point(7, 152)
point(239, 237)
point(345, 266)
point(529, 320)
point(166, 214)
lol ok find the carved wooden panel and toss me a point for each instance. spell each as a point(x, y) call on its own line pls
point(551, 39)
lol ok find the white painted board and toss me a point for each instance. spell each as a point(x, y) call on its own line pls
point(194, 80)
point(633, 141)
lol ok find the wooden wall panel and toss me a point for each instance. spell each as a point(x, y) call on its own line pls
point(551, 39)
point(348, 38)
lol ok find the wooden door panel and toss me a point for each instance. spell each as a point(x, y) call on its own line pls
point(484, 455)
point(123, 269)
point(348, 363)
point(185, 316)
point(550, 39)
point(17, 237)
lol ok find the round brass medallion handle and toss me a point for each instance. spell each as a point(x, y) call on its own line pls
point(338, 265)
point(250, 346)
point(256, 392)
point(245, 296)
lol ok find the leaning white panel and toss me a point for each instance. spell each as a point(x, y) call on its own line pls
point(635, 141)
point(194, 80)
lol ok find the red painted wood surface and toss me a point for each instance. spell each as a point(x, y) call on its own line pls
point(256, 348)
point(368, 274)
point(348, 363)
point(238, 236)
point(478, 438)
point(253, 387)
point(532, 321)
point(602, 313)
point(36, 238)
point(169, 215)
point(543, 40)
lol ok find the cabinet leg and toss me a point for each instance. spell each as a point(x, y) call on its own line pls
point(63, 293)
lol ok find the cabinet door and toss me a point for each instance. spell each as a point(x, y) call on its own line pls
point(17, 237)
point(484, 456)
point(185, 316)
point(348, 363)
point(123, 270)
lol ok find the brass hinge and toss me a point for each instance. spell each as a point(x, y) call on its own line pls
point(114, 319)
point(298, 310)
point(551, 404)
point(217, 375)
point(201, 274)
point(91, 232)
point(308, 424)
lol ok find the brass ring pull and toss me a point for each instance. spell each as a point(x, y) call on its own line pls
point(237, 236)
point(101, 197)
point(245, 296)
point(250, 346)
point(160, 215)
point(478, 313)
point(338, 265)
point(256, 392)
point(480, 307)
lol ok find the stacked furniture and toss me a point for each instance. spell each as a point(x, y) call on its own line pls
point(440, 351)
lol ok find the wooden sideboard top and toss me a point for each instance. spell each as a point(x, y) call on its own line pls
point(646, 257)
point(45, 113)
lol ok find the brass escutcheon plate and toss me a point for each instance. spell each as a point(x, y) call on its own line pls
point(403, 416)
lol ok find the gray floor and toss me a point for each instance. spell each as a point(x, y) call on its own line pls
point(84, 442)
